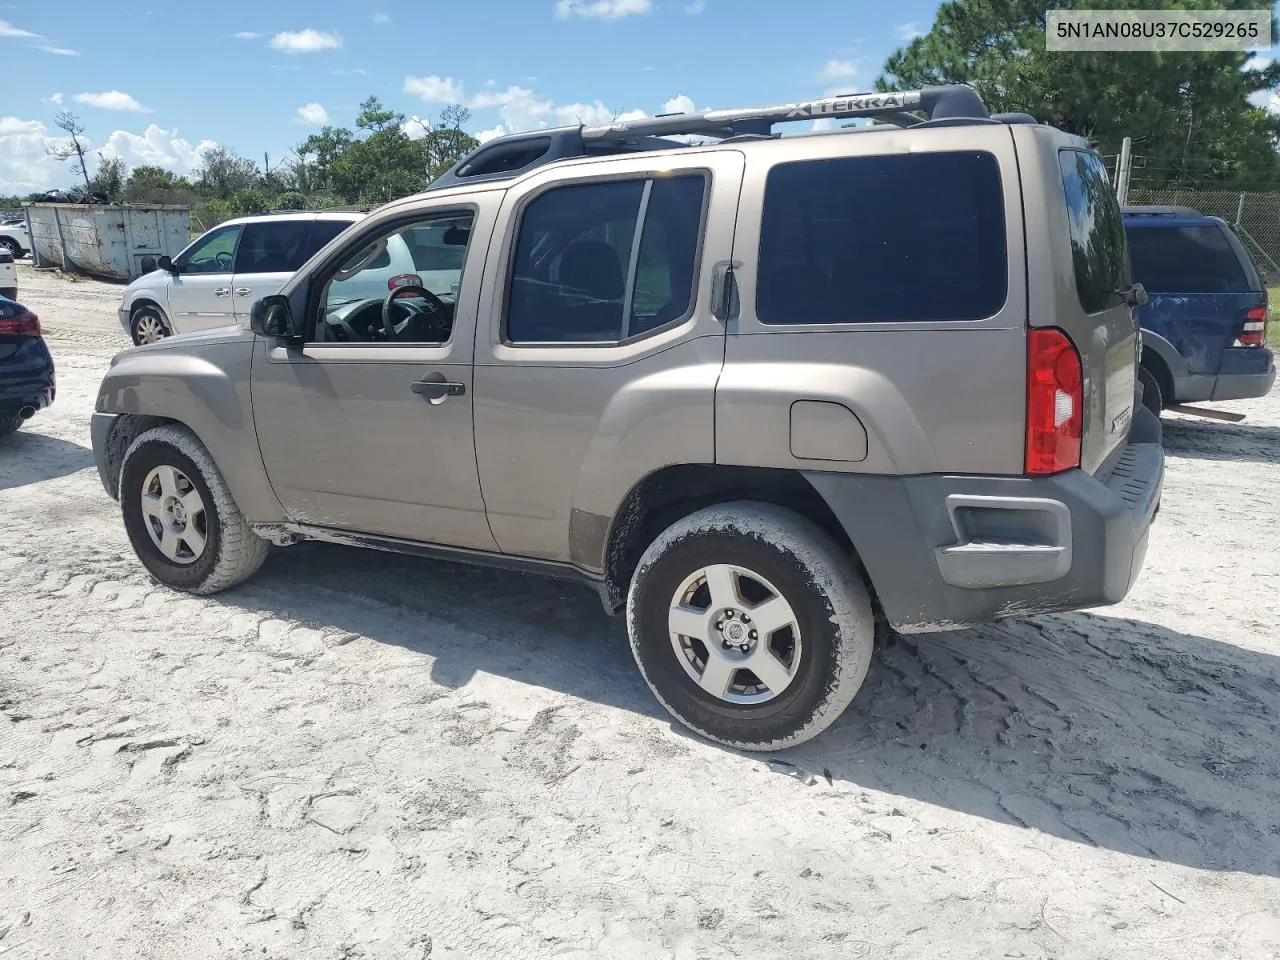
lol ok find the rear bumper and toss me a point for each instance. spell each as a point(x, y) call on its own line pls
point(945, 552)
point(1245, 372)
point(27, 377)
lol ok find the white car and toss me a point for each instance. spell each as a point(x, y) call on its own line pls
point(15, 238)
point(215, 280)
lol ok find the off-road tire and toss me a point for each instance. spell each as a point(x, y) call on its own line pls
point(9, 424)
point(139, 314)
point(815, 576)
point(232, 553)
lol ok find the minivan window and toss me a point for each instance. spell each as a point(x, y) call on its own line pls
point(584, 253)
point(322, 231)
point(274, 246)
point(902, 238)
point(215, 252)
point(1185, 260)
point(1097, 230)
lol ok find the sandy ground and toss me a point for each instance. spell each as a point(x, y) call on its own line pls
point(360, 755)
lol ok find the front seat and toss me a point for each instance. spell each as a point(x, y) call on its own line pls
point(592, 288)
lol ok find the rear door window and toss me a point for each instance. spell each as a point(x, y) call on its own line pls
point(322, 231)
point(1097, 231)
point(1187, 259)
point(278, 246)
point(915, 237)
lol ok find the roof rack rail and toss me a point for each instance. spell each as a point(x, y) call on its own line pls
point(1161, 211)
point(514, 154)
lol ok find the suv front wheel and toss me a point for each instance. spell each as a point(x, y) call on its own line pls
point(180, 517)
point(750, 625)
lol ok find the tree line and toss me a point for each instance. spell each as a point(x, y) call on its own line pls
point(386, 156)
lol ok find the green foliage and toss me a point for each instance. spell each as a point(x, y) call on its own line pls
point(224, 173)
point(110, 179)
point(1190, 111)
point(293, 200)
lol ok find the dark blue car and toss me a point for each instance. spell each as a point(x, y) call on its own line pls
point(26, 368)
point(1204, 326)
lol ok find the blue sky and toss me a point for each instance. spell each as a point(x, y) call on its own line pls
point(154, 82)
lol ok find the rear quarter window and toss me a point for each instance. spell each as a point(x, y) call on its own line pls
point(1096, 230)
point(914, 237)
point(1186, 259)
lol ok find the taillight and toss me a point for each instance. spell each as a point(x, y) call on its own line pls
point(1055, 402)
point(24, 324)
point(1254, 332)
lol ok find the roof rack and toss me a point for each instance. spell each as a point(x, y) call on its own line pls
point(515, 154)
point(1160, 211)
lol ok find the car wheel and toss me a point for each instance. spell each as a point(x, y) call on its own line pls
point(148, 325)
point(1152, 395)
point(750, 625)
point(8, 243)
point(180, 517)
point(9, 292)
point(9, 424)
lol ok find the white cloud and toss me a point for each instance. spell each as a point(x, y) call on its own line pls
point(602, 9)
point(381, 18)
point(312, 114)
point(909, 31)
point(111, 100)
point(55, 99)
point(695, 8)
point(433, 89)
point(839, 69)
point(680, 104)
point(484, 136)
point(156, 147)
point(59, 51)
point(25, 164)
point(354, 72)
point(305, 41)
point(247, 35)
point(7, 29)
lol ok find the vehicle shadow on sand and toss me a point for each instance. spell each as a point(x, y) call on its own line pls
point(31, 457)
point(1108, 732)
point(1244, 442)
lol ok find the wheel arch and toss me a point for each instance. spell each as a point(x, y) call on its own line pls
point(145, 389)
point(1165, 363)
point(671, 493)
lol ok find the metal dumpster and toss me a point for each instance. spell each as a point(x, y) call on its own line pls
point(112, 242)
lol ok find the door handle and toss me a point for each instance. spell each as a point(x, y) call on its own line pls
point(222, 292)
point(244, 292)
point(436, 388)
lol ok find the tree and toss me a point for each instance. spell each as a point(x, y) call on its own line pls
point(224, 173)
point(386, 164)
point(70, 124)
point(1188, 111)
point(445, 143)
point(157, 185)
point(110, 179)
point(326, 146)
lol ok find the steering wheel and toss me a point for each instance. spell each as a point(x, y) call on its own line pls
point(224, 261)
point(389, 324)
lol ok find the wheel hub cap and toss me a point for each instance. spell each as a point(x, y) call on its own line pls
point(174, 514)
point(735, 634)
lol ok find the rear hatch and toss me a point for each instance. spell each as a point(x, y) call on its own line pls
point(1203, 288)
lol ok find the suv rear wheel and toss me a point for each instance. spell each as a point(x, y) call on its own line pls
point(180, 517)
point(1152, 395)
point(750, 625)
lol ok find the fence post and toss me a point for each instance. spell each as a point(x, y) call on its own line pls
point(1239, 211)
point(1122, 171)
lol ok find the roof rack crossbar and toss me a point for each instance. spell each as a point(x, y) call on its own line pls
point(949, 102)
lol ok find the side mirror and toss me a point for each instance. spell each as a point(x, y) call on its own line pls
point(165, 264)
point(272, 317)
point(1140, 298)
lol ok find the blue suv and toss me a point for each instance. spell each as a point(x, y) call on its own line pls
point(1204, 326)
